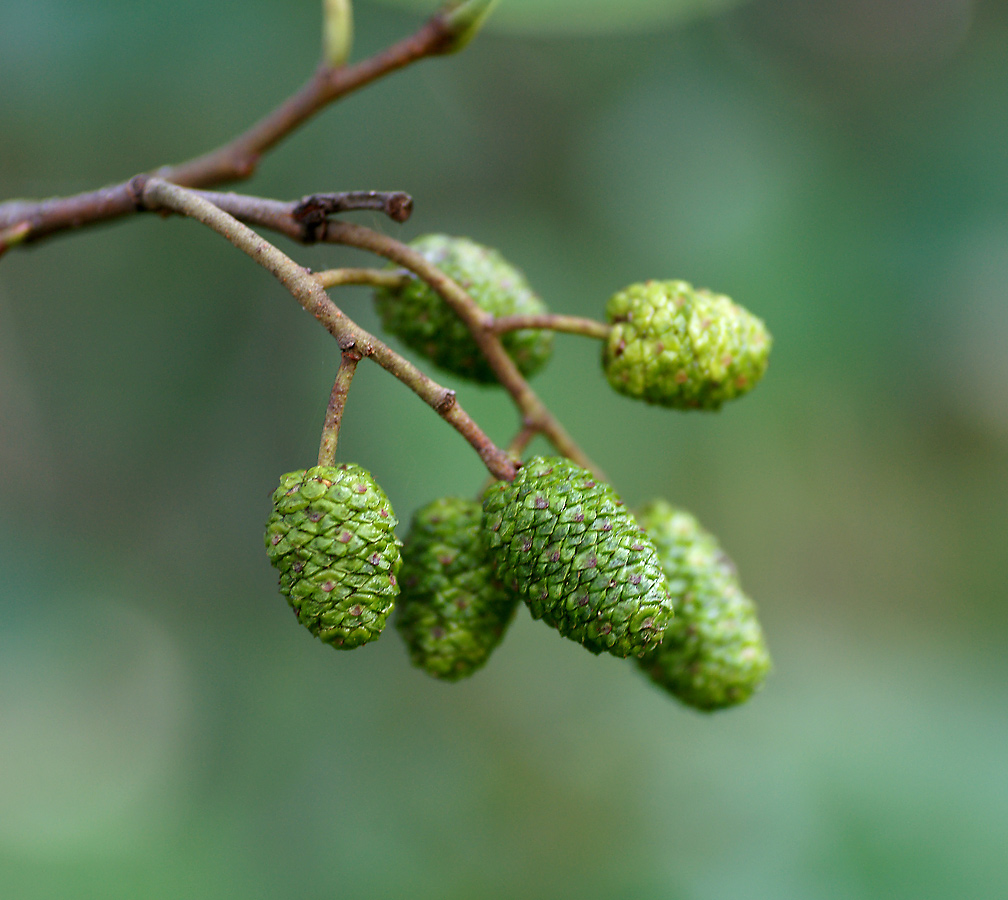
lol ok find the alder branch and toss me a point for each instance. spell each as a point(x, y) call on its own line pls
point(31, 220)
point(305, 288)
point(283, 217)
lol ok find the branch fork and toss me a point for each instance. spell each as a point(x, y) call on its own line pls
point(182, 189)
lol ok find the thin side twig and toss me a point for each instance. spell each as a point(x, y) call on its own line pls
point(379, 278)
point(569, 324)
point(280, 216)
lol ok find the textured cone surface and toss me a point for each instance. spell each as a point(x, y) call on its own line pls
point(453, 610)
point(421, 319)
point(713, 654)
point(578, 558)
point(332, 537)
point(676, 346)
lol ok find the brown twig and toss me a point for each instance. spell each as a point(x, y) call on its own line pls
point(305, 288)
point(280, 216)
point(568, 324)
point(337, 403)
point(236, 160)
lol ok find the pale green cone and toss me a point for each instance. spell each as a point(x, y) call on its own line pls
point(676, 346)
point(453, 610)
point(420, 318)
point(569, 546)
point(332, 537)
point(713, 654)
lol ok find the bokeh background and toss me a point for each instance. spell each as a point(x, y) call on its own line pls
point(166, 730)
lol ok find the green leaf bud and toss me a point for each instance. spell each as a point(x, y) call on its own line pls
point(464, 19)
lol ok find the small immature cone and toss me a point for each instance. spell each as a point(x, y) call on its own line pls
point(578, 558)
point(676, 346)
point(420, 318)
point(713, 654)
point(453, 611)
point(332, 537)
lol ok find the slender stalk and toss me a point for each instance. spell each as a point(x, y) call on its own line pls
point(337, 403)
point(480, 323)
point(569, 324)
point(305, 288)
point(380, 278)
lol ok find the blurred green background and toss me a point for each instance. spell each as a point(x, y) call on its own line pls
point(166, 730)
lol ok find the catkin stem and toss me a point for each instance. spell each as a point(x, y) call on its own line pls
point(337, 403)
point(380, 278)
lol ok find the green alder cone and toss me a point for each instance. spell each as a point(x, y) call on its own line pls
point(567, 544)
point(713, 654)
point(421, 319)
point(332, 537)
point(679, 347)
point(453, 610)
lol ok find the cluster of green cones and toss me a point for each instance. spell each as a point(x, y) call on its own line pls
point(655, 588)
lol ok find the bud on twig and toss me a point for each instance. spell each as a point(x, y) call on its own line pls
point(464, 18)
point(337, 31)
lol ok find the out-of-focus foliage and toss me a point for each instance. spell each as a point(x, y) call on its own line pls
point(167, 729)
